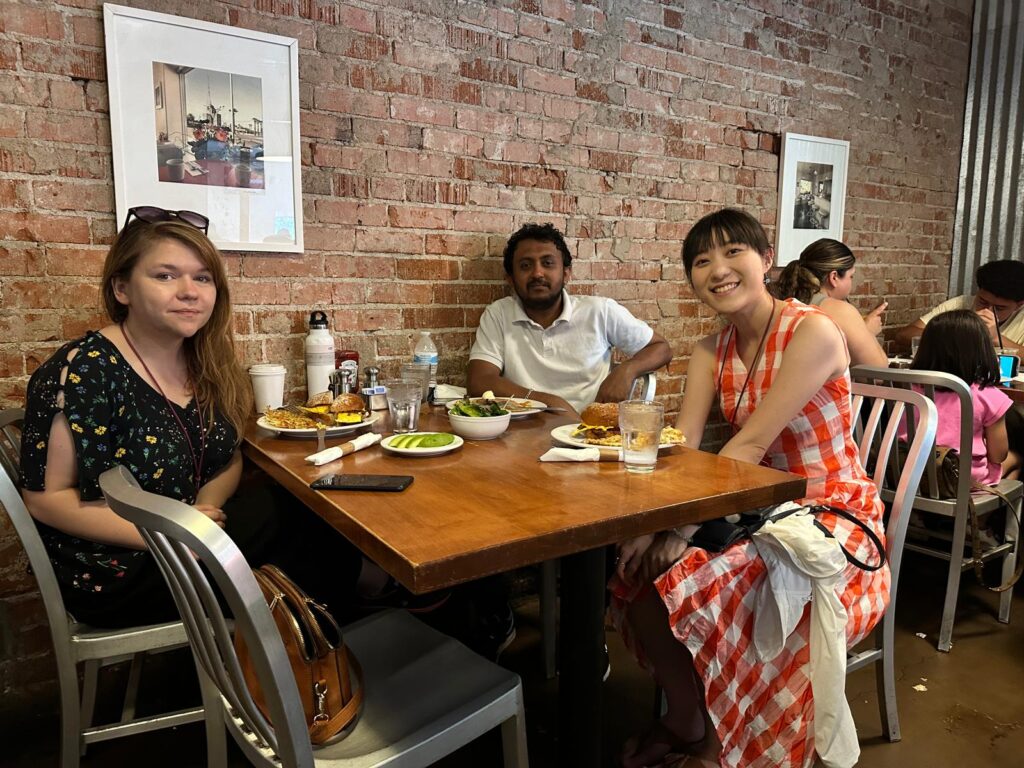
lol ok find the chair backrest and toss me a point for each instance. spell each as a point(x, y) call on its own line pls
point(10, 497)
point(927, 382)
point(174, 531)
point(886, 407)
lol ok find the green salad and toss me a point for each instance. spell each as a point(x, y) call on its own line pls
point(479, 408)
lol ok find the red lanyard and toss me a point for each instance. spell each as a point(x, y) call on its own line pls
point(197, 464)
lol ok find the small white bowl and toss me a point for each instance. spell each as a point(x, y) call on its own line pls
point(479, 427)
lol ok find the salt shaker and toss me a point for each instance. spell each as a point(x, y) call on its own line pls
point(374, 393)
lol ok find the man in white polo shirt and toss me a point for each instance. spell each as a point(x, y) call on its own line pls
point(545, 344)
point(998, 302)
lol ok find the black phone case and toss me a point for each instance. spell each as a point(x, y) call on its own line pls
point(365, 483)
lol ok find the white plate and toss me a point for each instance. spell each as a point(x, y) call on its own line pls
point(436, 451)
point(563, 435)
point(536, 406)
point(341, 429)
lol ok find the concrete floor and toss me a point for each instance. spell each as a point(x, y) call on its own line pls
point(970, 714)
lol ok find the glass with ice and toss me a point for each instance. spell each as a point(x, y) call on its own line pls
point(640, 422)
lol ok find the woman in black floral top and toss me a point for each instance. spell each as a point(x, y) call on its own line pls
point(161, 392)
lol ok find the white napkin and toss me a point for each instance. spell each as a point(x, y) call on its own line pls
point(572, 454)
point(356, 444)
point(449, 392)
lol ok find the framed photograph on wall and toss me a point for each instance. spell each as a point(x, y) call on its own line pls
point(812, 193)
point(205, 117)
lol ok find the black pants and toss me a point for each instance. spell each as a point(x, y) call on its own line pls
point(269, 526)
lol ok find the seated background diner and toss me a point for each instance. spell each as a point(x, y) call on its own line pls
point(958, 343)
point(779, 371)
point(823, 278)
point(160, 391)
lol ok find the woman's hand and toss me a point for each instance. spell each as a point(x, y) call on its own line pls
point(214, 513)
point(873, 319)
point(668, 547)
point(631, 554)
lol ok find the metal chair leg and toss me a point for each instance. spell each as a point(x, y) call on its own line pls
point(513, 739)
point(885, 675)
point(131, 691)
point(1010, 533)
point(549, 615)
point(90, 678)
point(71, 745)
point(956, 560)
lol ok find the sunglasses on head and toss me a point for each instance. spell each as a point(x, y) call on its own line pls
point(151, 214)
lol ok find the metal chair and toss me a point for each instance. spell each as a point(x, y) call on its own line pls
point(643, 388)
point(75, 643)
point(878, 438)
point(957, 509)
point(425, 693)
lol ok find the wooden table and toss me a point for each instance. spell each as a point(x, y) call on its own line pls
point(491, 506)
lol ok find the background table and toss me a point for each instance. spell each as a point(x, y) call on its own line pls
point(491, 506)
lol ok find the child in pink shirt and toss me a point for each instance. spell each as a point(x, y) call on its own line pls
point(957, 342)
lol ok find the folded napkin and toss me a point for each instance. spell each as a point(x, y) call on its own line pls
point(448, 392)
point(577, 454)
point(356, 444)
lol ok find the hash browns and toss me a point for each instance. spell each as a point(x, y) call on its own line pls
point(669, 436)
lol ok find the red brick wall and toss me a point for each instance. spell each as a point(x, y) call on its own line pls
point(431, 129)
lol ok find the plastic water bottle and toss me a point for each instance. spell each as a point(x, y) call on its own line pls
point(426, 352)
point(319, 354)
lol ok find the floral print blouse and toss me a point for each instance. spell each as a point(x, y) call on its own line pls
point(116, 417)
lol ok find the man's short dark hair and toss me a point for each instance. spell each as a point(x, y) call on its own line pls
point(544, 233)
point(1004, 278)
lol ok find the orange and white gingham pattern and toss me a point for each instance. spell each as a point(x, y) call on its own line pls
point(763, 711)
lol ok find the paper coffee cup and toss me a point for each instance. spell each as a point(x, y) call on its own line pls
point(175, 170)
point(267, 385)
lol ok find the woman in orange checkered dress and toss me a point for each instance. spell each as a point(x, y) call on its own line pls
point(780, 373)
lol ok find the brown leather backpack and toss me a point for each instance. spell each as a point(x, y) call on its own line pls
point(327, 675)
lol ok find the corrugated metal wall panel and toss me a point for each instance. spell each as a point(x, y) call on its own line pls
point(990, 203)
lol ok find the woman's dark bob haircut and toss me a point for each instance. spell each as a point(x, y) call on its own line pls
point(957, 342)
point(728, 225)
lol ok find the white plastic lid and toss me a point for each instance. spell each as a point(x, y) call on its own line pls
point(267, 368)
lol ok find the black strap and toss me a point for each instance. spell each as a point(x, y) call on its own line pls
point(850, 558)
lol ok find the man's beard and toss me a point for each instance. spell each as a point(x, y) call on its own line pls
point(540, 304)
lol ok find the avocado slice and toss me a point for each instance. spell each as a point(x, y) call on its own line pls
point(401, 441)
point(436, 440)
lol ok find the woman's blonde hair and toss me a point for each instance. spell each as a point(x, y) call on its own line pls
point(218, 380)
point(803, 278)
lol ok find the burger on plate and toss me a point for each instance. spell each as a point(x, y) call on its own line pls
point(347, 407)
point(599, 424)
point(347, 402)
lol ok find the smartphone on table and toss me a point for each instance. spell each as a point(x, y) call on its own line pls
point(362, 483)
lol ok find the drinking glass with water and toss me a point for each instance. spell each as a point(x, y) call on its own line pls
point(640, 422)
point(404, 404)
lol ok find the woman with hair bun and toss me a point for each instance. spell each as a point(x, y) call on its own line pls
point(823, 278)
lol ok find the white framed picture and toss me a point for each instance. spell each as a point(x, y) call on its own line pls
point(812, 193)
point(205, 118)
